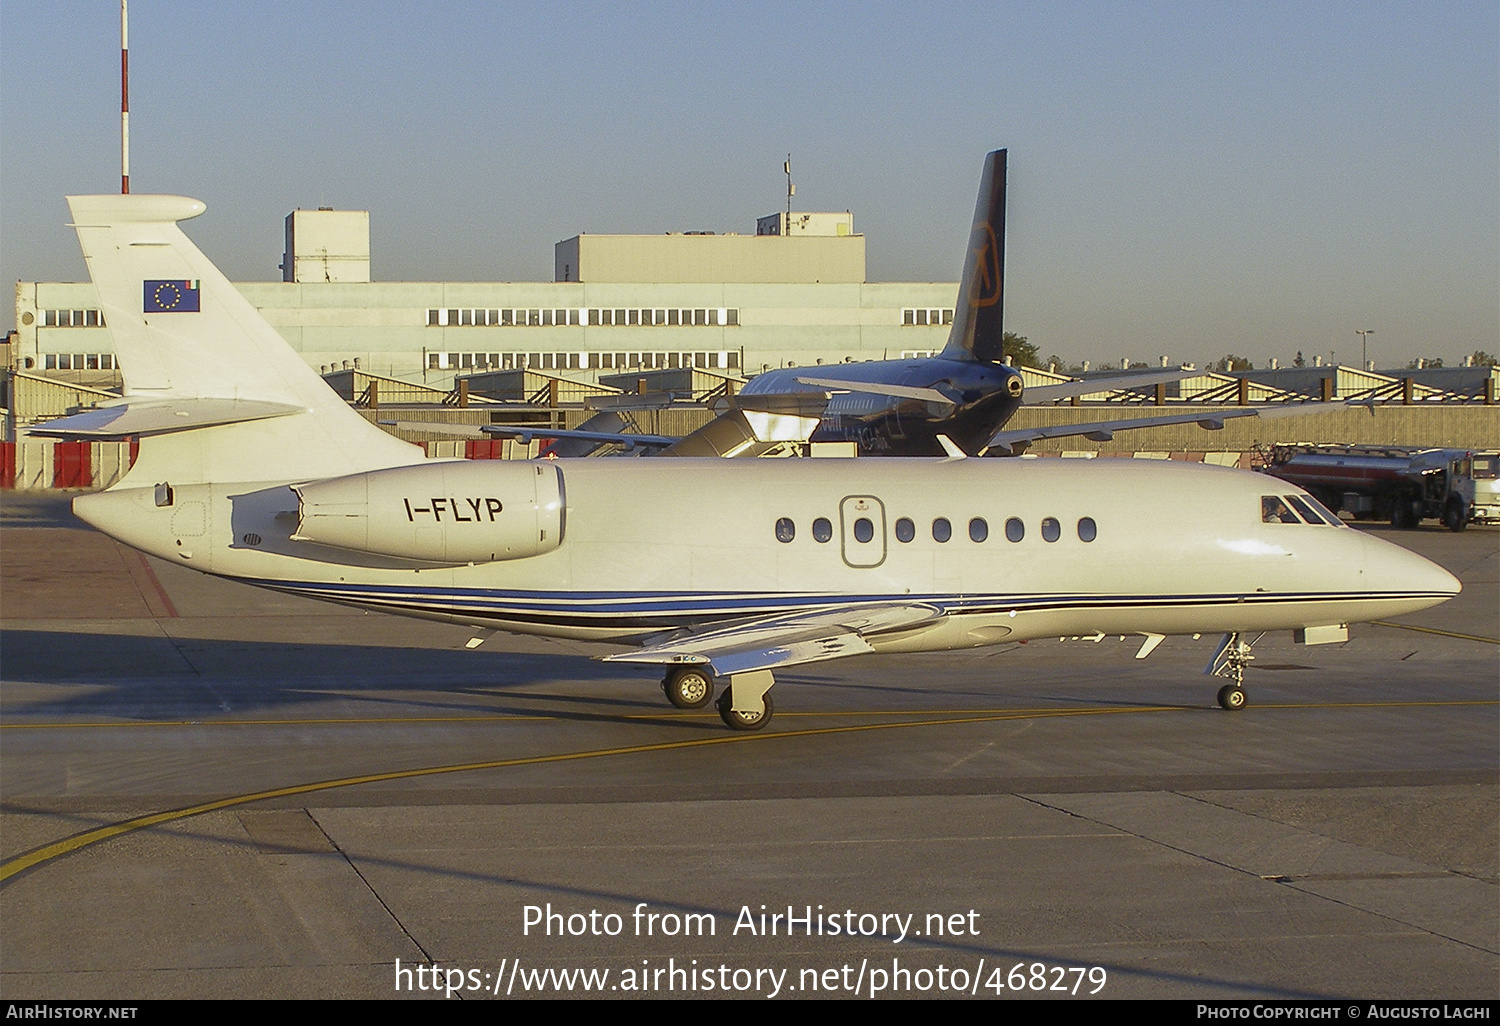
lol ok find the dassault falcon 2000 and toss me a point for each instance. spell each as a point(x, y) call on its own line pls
point(251, 468)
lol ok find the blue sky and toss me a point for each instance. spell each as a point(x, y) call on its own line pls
point(1186, 179)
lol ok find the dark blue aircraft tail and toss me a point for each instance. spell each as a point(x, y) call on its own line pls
point(978, 324)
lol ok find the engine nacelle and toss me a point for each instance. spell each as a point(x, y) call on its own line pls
point(466, 511)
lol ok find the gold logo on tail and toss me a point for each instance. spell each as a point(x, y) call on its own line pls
point(986, 291)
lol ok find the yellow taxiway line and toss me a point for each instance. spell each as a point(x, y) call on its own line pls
point(77, 842)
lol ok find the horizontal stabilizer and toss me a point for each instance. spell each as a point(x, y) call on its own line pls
point(142, 417)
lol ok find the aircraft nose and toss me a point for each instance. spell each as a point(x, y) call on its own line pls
point(1392, 567)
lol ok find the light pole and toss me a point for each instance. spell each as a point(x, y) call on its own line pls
point(1364, 356)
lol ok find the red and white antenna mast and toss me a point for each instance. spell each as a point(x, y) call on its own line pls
point(124, 103)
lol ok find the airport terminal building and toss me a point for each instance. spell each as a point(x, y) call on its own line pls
point(792, 294)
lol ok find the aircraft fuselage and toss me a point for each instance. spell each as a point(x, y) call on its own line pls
point(628, 549)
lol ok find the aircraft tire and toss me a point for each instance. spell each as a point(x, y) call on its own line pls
point(1232, 697)
point(689, 687)
point(741, 721)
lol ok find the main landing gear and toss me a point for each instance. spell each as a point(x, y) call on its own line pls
point(744, 704)
point(689, 687)
point(1229, 661)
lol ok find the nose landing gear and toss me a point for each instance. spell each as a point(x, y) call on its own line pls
point(1229, 660)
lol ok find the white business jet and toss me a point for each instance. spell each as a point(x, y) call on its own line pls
point(721, 571)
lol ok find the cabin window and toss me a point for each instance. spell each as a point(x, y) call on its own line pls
point(1274, 510)
point(864, 531)
point(941, 529)
point(822, 529)
point(1014, 529)
point(905, 530)
point(1087, 529)
point(978, 529)
point(785, 529)
point(1051, 529)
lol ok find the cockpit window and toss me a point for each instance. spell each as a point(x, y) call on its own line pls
point(1274, 510)
point(1486, 468)
point(1323, 511)
point(1301, 506)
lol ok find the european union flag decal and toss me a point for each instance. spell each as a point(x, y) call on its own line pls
point(170, 297)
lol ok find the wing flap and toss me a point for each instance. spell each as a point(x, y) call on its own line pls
point(783, 640)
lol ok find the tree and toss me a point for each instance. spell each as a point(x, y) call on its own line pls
point(1299, 360)
point(1482, 359)
point(1425, 361)
point(1021, 352)
point(1234, 363)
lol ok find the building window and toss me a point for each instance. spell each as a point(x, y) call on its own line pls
point(925, 317)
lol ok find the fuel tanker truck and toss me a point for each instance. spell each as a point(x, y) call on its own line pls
point(1402, 485)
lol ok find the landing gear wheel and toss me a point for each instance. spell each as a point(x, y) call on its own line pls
point(689, 687)
point(1232, 697)
point(744, 721)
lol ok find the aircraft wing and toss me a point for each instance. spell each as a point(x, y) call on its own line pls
point(761, 643)
point(625, 438)
point(927, 395)
point(1012, 442)
point(1126, 382)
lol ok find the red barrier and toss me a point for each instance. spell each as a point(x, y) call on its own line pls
point(484, 449)
point(71, 465)
point(7, 464)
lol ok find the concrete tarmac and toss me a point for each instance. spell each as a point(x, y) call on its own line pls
point(213, 792)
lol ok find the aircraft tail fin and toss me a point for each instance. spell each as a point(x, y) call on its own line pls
point(978, 323)
point(189, 343)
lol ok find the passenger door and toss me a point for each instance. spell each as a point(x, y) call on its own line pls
point(862, 531)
